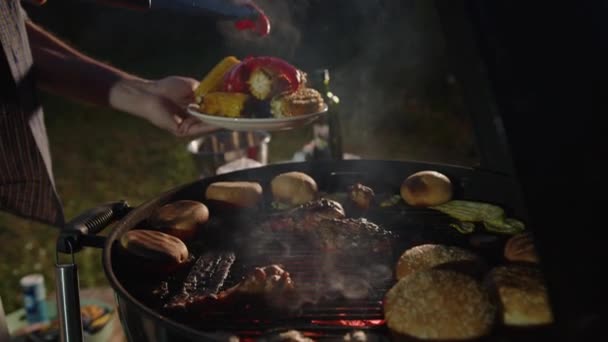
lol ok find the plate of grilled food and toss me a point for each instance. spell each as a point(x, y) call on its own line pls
point(256, 93)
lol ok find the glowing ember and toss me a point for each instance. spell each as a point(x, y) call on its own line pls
point(352, 322)
point(261, 25)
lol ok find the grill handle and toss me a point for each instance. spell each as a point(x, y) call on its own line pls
point(81, 231)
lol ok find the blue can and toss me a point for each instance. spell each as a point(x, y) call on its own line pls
point(34, 298)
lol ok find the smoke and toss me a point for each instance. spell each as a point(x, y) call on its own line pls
point(387, 62)
point(338, 277)
point(285, 35)
point(399, 54)
point(318, 276)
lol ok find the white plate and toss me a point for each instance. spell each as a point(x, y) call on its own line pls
point(247, 124)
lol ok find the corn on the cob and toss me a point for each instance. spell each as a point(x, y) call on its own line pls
point(260, 84)
point(224, 104)
point(214, 78)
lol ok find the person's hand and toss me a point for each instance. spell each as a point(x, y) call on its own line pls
point(162, 102)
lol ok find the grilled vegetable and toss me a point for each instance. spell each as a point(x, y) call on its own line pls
point(263, 77)
point(492, 216)
point(470, 211)
point(464, 227)
point(224, 104)
point(391, 201)
point(235, 79)
point(505, 226)
point(271, 76)
point(260, 83)
point(213, 80)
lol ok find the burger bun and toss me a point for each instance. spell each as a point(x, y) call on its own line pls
point(237, 194)
point(293, 188)
point(426, 188)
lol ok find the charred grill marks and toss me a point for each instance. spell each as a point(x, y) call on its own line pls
point(324, 223)
point(205, 278)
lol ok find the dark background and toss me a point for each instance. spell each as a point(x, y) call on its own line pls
point(547, 63)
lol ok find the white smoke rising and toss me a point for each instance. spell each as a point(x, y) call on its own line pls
point(284, 37)
point(383, 56)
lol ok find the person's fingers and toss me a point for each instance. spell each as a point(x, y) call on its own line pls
point(193, 126)
point(176, 112)
point(178, 119)
point(185, 125)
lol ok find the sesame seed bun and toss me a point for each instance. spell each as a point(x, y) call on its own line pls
point(427, 256)
point(439, 305)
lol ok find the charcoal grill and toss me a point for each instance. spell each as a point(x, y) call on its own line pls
point(144, 320)
point(467, 25)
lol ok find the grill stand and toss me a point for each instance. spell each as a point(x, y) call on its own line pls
point(68, 300)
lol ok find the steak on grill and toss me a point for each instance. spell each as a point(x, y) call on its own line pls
point(323, 223)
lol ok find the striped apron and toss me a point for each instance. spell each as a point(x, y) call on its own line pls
point(27, 188)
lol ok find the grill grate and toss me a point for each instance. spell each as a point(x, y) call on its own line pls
point(344, 292)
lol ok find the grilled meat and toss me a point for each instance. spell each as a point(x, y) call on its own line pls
point(323, 222)
point(265, 287)
point(309, 213)
point(318, 209)
point(351, 234)
point(361, 195)
point(272, 282)
point(205, 278)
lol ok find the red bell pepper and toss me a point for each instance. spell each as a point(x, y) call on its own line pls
point(278, 67)
point(282, 76)
point(235, 79)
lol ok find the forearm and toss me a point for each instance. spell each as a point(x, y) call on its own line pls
point(64, 71)
point(69, 73)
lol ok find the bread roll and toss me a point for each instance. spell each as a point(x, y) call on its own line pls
point(427, 256)
point(438, 305)
point(520, 248)
point(426, 188)
point(240, 194)
point(293, 188)
point(301, 102)
point(182, 219)
point(522, 295)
